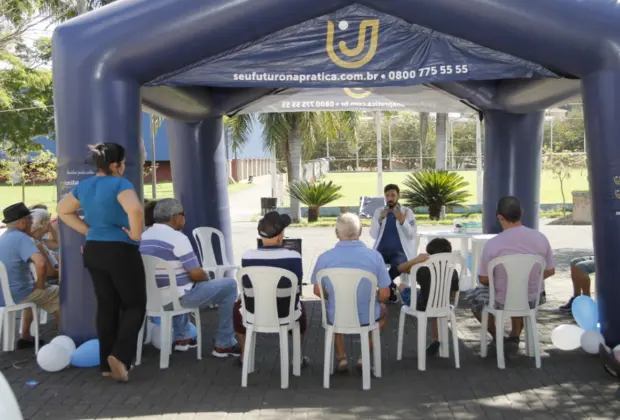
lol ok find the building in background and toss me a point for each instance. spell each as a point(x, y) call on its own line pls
point(252, 151)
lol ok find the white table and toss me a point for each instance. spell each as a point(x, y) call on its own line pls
point(477, 240)
point(477, 245)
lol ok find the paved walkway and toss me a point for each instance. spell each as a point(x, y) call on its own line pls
point(570, 385)
point(245, 204)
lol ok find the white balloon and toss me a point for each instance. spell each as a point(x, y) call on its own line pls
point(53, 358)
point(616, 352)
point(591, 340)
point(567, 337)
point(156, 336)
point(65, 342)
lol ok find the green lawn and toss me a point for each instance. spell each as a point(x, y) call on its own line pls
point(359, 184)
point(47, 193)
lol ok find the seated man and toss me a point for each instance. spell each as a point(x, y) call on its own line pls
point(514, 239)
point(149, 208)
point(51, 237)
point(350, 252)
point(272, 254)
point(40, 227)
point(580, 270)
point(17, 251)
point(394, 230)
point(423, 278)
point(166, 240)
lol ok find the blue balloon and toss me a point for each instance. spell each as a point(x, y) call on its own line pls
point(585, 312)
point(87, 355)
point(192, 330)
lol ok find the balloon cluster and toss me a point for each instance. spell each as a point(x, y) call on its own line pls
point(62, 352)
point(587, 335)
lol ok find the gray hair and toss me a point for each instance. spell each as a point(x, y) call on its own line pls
point(166, 209)
point(348, 227)
point(40, 218)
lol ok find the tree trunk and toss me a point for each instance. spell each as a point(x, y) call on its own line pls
point(434, 212)
point(440, 157)
point(313, 214)
point(153, 164)
point(423, 135)
point(294, 144)
point(563, 198)
point(23, 190)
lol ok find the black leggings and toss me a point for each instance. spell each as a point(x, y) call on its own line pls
point(120, 286)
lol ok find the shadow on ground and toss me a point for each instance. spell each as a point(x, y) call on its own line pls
point(569, 385)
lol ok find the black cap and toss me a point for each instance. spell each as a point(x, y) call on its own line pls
point(272, 224)
point(15, 212)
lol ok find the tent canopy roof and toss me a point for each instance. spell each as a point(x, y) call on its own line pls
point(527, 54)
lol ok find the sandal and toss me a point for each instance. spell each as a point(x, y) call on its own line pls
point(610, 364)
point(343, 364)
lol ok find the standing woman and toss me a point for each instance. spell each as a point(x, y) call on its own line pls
point(112, 224)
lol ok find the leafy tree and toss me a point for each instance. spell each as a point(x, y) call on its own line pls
point(314, 195)
point(25, 99)
point(562, 165)
point(22, 168)
point(293, 136)
point(435, 189)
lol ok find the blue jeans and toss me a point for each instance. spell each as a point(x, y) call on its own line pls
point(222, 292)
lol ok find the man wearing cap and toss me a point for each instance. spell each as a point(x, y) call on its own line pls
point(17, 251)
point(166, 240)
point(272, 254)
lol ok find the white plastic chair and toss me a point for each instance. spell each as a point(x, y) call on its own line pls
point(8, 315)
point(42, 313)
point(518, 267)
point(345, 282)
point(9, 408)
point(441, 267)
point(156, 299)
point(265, 318)
point(203, 237)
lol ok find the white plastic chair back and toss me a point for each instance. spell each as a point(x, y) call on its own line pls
point(157, 298)
point(265, 292)
point(518, 267)
point(345, 282)
point(442, 267)
point(6, 290)
point(204, 239)
point(9, 408)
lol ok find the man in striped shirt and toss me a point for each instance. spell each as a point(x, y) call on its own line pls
point(166, 240)
point(272, 254)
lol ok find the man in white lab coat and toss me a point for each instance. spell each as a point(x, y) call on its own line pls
point(394, 230)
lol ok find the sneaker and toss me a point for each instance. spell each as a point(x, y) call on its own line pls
point(234, 351)
point(568, 307)
point(433, 348)
point(192, 343)
point(181, 345)
point(28, 344)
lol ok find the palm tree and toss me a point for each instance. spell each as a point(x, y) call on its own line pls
point(435, 189)
point(315, 196)
point(293, 136)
